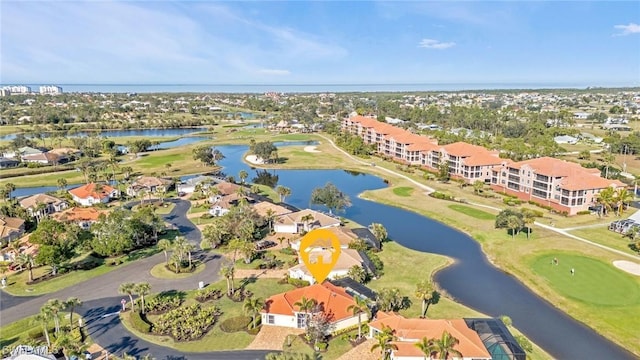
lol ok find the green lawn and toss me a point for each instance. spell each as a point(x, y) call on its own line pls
point(17, 332)
point(216, 339)
point(604, 236)
point(475, 213)
point(161, 272)
point(403, 191)
point(594, 282)
point(337, 347)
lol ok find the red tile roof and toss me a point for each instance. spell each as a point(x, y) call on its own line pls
point(78, 214)
point(91, 190)
point(464, 149)
point(415, 142)
point(333, 299)
point(410, 331)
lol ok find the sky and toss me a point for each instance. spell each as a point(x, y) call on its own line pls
point(320, 42)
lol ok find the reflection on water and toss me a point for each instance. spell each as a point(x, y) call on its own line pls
point(264, 177)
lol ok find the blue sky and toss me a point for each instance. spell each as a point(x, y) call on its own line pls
point(320, 42)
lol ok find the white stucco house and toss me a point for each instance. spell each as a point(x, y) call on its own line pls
point(93, 193)
point(347, 259)
point(304, 220)
point(331, 300)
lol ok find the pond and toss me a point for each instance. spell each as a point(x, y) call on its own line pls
point(472, 280)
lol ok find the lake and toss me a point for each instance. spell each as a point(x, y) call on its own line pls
point(472, 280)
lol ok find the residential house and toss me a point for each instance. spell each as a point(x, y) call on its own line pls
point(41, 205)
point(227, 196)
point(591, 138)
point(368, 237)
point(148, 184)
point(23, 151)
point(562, 185)
point(344, 235)
point(566, 139)
point(347, 259)
point(83, 217)
point(263, 207)
point(66, 154)
point(331, 300)
point(93, 193)
point(8, 163)
point(44, 158)
point(189, 186)
point(295, 222)
point(11, 228)
point(408, 332)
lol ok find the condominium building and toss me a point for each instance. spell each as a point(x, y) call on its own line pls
point(562, 185)
point(17, 89)
point(50, 89)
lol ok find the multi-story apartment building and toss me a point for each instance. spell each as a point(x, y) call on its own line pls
point(562, 185)
point(50, 89)
point(17, 89)
point(466, 161)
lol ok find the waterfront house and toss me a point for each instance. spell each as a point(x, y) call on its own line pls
point(45, 158)
point(148, 184)
point(304, 220)
point(8, 163)
point(93, 193)
point(331, 301)
point(408, 332)
point(347, 259)
point(40, 205)
point(23, 151)
point(189, 186)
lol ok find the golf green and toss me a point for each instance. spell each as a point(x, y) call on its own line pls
point(593, 281)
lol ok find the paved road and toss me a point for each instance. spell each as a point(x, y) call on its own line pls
point(102, 301)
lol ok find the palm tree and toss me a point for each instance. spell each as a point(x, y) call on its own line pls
point(165, 245)
point(62, 183)
point(514, 223)
point(71, 304)
point(180, 246)
point(622, 197)
point(27, 260)
point(189, 248)
point(606, 198)
point(306, 305)
point(528, 218)
point(270, 215)
point(228, 271)
point(55, 306)
point(283, 191)
point(10, 187)
point(424, 292)
point(445, 346)
point(252, 307)
point(142, 289)
point(128, 288)
point(384, 338)
point(126, 171)
point(427, 346)
point(478, 185)
point(243, 176)
point(358, 308)
point(44, 317)
point(306, 220)
point(379, 231)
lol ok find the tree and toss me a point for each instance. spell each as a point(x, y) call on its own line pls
point(306, 220)
point(379, 231)
point(606, 198)
point(142, 289)
point(584, 155)
point(207, 155)
point(10, 187)
point(71, 304)
point(357, 273)
point(128, 288)
point(424, 293)
point(478, 185)
point(283, 192)
point(43, 317)
point(443, 171)
point(265, 150)
point(389, 299)
point(165, 246)
point(62, 183)
point(358, 308)
point(514, 223)
point(622, 198)
point(528, 218)
point(446, 346)
point(26, 260)
point(306, 305)
point(55, 306)
point(252, 307)
point(330, 197)
point(228, 271)
point(509, 219)
point(213, 234)
point(384, 342)
point(57, 242)
point(243, 176)
point(427, 346)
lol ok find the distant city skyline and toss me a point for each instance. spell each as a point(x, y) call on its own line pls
point(320, 43)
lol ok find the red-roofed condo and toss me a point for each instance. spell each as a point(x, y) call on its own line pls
point(562, 185)
point(333, 301)
point(93, 193)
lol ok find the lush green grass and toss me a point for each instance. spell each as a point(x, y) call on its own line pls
point(161, 272)
point(604, 236)
point(17, 332)
point(475, 213)
point(594, 281)
point(337, 347)
point(17, 283)
point(403, 190)
point(217, 339)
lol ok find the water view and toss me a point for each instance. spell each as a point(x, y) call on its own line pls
point(126, 133)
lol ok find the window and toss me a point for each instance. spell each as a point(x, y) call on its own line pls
point(270, 319)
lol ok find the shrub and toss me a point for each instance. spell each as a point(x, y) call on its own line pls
point(511, 201)
point(441, 196)
point(288, 251)
point(254, 331)
point(206, 216)
point(322, 346)
point(235, 324)
point(584, 212)
point(139, 323)
point(162, 303)
point(298, 282)
point(187, 323)
point(208, 294)
point(35, 334)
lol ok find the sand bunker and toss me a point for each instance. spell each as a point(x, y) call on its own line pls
point(628, 266)
point(254, 160)
point(311, 149)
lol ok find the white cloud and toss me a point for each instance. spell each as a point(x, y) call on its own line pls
point(279, 72)
point(435, 44)
point(632, 28)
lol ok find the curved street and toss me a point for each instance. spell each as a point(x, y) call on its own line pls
point(101, 300)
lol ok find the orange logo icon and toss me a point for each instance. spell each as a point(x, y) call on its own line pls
point(320, 250)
